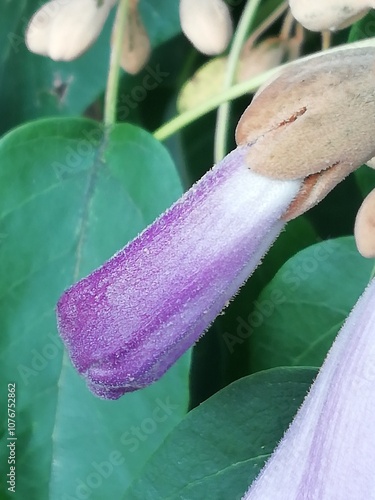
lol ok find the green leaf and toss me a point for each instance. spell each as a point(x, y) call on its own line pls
point(221, 445)
point(33, 86)
point(364, 28)
point(70, 196)
point(299, 314)
point(365, 177)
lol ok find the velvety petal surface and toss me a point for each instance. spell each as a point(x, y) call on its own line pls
point(131, 319)
point(329, 450)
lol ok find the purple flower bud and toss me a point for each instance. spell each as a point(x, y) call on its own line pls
point(329, 450)
point(126, 323)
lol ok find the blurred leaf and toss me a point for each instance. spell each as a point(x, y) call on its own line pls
point(365, 177)
point(32, 86)
point(70, 196)
point(221, 446)
point(335, 215)
point(364, 28)
point(298, 315)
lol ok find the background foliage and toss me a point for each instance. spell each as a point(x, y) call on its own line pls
point(72, 194)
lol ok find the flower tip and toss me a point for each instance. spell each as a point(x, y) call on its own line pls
point(364, 228)
point(105, 364)
point(207, 24)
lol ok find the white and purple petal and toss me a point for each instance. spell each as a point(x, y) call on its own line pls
point(131, 319)
point(329, 450)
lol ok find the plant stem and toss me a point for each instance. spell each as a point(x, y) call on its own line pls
point(274, 16)
point(191, 115)
point(114, 64)
point(221, 132)
point(180, 121)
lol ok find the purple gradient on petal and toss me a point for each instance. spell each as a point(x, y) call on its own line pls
point(329, 450)
point(131, 319)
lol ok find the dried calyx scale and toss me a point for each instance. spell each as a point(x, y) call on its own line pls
point(364, 229)
point(136, 47)
point(207, 24)
point(313, 121)
point(321, 15)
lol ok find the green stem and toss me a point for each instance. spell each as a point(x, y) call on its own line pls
point(221, 132)
point(240, 89)
point(191, 115)
point(110, 105)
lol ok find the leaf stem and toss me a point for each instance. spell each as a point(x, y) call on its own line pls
point(114, 64)
point(221, 132)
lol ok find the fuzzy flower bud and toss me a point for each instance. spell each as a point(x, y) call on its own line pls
point(321, 15)
point(207, 24)
point(130, 320)
point(64, 30)
point(314, 121)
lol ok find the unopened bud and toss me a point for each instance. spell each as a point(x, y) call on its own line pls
point(207, 24)
point(364, 229)
point(64, 30)
point(256, 60)
point(206, 82)
point(315, 115)
point(136, 43)
point(321, 15)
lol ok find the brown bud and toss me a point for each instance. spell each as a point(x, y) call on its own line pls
point(136, 47)
point(207, 24)
point(364, 229)
point(321, 15)
point(317, 114)
point(256, 60)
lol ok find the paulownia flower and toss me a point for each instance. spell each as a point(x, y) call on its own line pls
point(328, 452)
point(63, 30)
point(130, 320)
